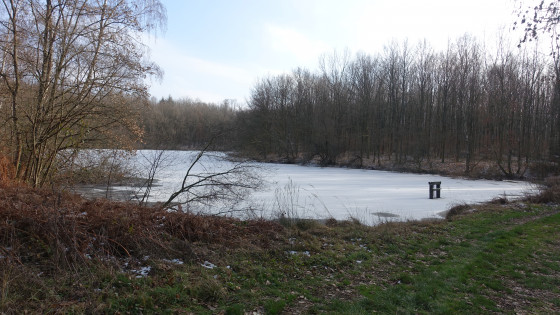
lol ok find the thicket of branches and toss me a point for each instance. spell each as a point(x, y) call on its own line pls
point(408, 104)
point(71, 76)
point(412, 104)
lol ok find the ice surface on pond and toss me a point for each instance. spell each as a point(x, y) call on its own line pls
point(370, 195)
point(317, 192)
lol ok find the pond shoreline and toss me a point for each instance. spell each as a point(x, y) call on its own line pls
point(315, 192)
point(483, 170)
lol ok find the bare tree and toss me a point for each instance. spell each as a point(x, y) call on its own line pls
point(540, 18)
point(333, 99)
point(229, 185)
point(75, 71)
point(155, 161)
point(544, 19)
point(364, 82)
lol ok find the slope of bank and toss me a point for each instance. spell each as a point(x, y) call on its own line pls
point(481, 169)
point(61, 253)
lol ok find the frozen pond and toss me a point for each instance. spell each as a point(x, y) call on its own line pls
point(316, 192)
point(370, 195)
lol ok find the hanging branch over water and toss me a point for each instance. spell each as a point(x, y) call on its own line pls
point(231, 184)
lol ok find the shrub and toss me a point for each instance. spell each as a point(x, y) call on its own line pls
point(549, 192)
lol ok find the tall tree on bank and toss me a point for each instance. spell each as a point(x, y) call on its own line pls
point(537, 21)
point(71, 73)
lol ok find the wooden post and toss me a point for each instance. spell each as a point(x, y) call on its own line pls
point(435, 186)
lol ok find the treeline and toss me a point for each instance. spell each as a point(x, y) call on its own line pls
point(412, 105)
point(188, 124)
point(409, 105)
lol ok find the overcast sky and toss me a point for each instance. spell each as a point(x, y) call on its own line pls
point(217, 49)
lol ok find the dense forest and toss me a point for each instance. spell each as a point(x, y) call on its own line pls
point(413, 103)
point(408, 104)
point(188, 124)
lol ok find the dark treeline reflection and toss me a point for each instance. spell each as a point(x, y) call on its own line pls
point(407, 104)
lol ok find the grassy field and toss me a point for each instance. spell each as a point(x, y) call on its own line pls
point(61, 254)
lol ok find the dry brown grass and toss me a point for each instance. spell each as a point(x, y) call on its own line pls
point(55, 243)
point(68, 230)
point(7, 172)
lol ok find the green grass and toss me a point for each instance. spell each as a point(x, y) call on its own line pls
point(501, 258)
point(483, 254)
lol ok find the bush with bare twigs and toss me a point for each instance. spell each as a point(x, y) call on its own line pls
point(549, 192)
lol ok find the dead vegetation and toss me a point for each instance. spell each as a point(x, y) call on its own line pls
point(56, 247)
point(550, 192)
point(55, 244)
point(67, 230)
